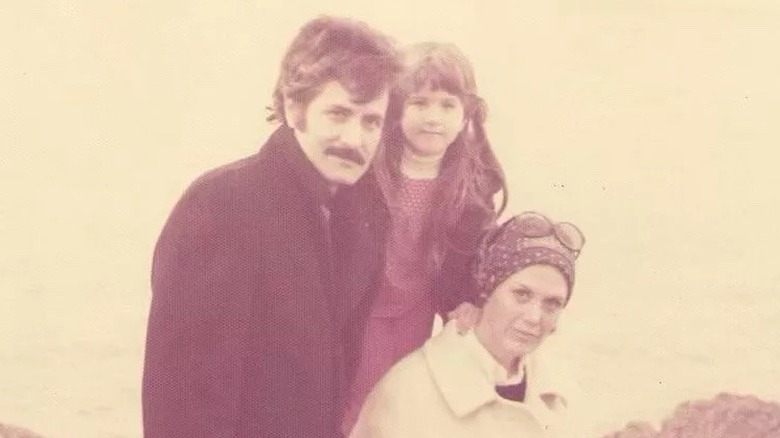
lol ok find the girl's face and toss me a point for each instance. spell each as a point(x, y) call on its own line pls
point(431, 121)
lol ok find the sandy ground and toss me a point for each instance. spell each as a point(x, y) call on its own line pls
point(652, 126)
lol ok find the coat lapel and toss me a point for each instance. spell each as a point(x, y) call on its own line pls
point(359, 225)
point(462, 381)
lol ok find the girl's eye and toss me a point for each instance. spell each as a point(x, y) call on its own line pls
point(448, 104)
point(417, 102)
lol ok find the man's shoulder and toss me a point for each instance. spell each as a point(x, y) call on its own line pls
point(223, 183)
point(234, 174)
point(253, 175)
point(268, 159)
point(229, 195)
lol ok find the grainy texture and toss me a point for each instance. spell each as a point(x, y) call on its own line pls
point(652, 125)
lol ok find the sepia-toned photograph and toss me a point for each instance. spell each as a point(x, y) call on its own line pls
point(365, 219)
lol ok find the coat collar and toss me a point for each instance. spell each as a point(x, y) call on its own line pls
point(467, 379)
point(495, 372)
point(306, 176)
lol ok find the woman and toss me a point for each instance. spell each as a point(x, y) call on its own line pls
point(487, 382)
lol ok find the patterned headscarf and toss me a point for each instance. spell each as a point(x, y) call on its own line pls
point(527, 239)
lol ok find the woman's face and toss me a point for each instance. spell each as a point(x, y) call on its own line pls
point(522, 312)
point(431, 121)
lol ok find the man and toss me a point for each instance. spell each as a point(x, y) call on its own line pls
point(250, 310)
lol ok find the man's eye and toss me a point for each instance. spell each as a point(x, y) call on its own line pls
point(339, 114)
point(417, 102)
point(373, 123)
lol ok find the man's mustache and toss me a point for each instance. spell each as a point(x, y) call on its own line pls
point(346, 153)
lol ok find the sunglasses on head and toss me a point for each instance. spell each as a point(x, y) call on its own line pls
point(533, 224)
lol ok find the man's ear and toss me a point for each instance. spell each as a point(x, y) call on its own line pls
point(292, 113)
point(289, 115)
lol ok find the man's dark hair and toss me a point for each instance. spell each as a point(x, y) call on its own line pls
point(362, 60)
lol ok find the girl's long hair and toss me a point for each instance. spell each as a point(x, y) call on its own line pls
point(470, 175)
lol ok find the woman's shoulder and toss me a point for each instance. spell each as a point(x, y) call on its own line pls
point(416, 366)
point(410, 368)
point(410, 372)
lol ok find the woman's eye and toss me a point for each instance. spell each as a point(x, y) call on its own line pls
point(552, 306)
point(522, 295)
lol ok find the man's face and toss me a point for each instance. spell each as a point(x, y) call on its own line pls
point(338, 135)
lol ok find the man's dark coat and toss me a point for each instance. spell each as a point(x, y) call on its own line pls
point(260, 282)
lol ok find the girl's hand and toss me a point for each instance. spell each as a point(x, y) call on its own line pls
point(466, 316)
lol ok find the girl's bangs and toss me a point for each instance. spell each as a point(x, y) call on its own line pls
point(435, 75)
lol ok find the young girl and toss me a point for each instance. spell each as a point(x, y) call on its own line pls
point(438, 175)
